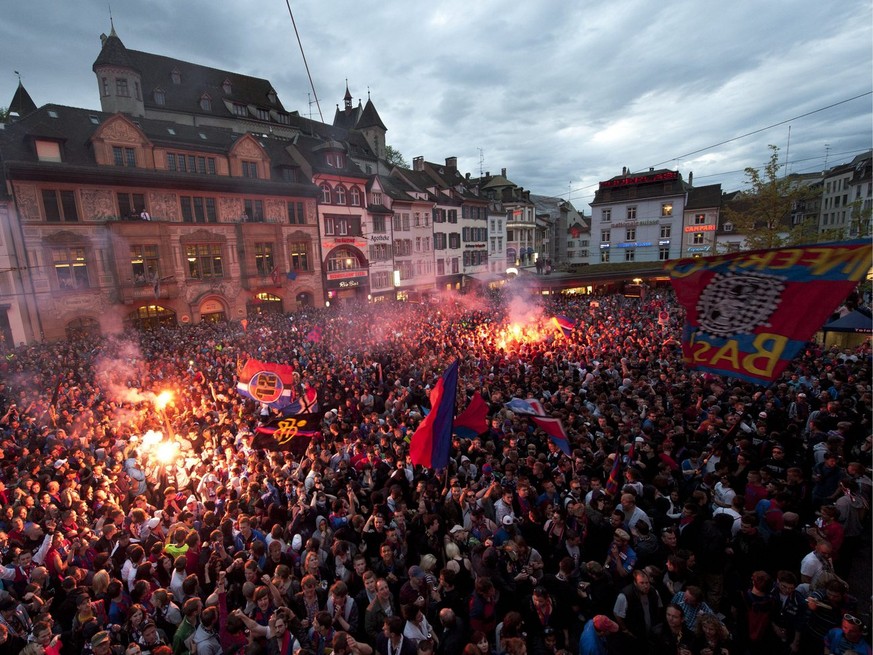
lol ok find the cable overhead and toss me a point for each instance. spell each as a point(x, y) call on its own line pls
point(305, 64)
point(742, 136)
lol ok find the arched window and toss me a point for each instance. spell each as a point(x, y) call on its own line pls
point(340, 195)
point(205, 102)
point(355, 197)
point(325, 193)
point(342, 259)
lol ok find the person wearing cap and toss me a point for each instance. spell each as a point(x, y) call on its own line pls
point(848, 638)
point(596, 635)
point(101, 643)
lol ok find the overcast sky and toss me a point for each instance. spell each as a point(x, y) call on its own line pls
point(561, 93)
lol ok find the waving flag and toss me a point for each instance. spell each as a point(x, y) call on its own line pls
point(526, 406)
point(750, 313)
point(266, 382)
point(613, 483)
point(473, 421)
point(555, 429)
point(432, 440)
point(306, 402)
point(291, 434)
point(564, 325)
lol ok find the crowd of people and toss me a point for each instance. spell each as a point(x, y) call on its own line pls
point(694, 515)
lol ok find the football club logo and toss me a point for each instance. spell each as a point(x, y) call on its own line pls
point(738, 304)
point(266, 387)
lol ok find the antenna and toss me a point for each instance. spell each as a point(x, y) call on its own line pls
point(111, 23)
point(827, 153)
point(481, 162)
point(19, 77)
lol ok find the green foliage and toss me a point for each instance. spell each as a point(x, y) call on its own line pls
point(395, 157)
point(763, 213)
point(4, 114)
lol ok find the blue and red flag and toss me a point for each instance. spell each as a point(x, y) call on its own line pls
point(564, 325)
point(613, 482)
point(555, 429)
point(749, 313)
point(266, 382)
point(473, 421)
point(432, 441)
point(314, 335)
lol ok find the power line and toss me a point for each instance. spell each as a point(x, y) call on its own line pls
point(742, 136)
point(305, 64)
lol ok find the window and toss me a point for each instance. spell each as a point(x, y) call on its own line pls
point(377, 198)
point(254, 210)
point(441, 267)
point(699, 219)
point(190, 163)
point(264, 258)
point(60, 206)
point(397, 221)
point(124, 156)
point(290, 174)
point(48, 151)
point(453, 216)
point(226, 87)
point(439, 241)
point(630, 255)
point(666, 209)
point(325, 193)
point(296, 215)
point(417, 244)
point(417, 221)
point(263, 114)
point(631, 213)
point(240, 110)
point(204, 260)
point(604, 236)
point(665, 231)
point(198, 210)
point(604, 256)
point(121, 87)
point(605, 215)
point(136, 90)
point(380, 252)
point(697, 239)
point(630, 234)
point(144, 264)
point(454, 240)
point(378, 223)
point(336, 226)
point(299, 252)
point(381, 279)
point(250, 169)
point(104, 86)
point(355, 197)
point(405, 221)
point(176, 76)
point(130, 205)
point(205, 103)
point(71, 268)
point(160, 97)
point(342, 259)
point(455, 266)
point(664, 253)
point(728, 227)
point(340, 194)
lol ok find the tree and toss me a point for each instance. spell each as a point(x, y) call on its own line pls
point(4, 114)
point(395, 158)
point(767, 214)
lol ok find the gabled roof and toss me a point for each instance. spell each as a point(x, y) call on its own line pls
point(396, 188)
point(347, 118)
point(21, 104)
point(704, 196)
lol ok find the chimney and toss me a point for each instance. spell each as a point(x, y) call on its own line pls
point(503, 172)
point(487, 173)
point(651, 169)
point(691, 178)
point(468, 176)
point(624, 170)
point(451, 163)
point(418, 163)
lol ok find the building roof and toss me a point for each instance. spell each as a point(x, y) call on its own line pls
point(661, 183)
point(370, 118)
point(114, 53)
point(704, 196)
point(21, 103)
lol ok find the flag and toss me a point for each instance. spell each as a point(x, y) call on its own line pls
point(291, 275)
point(306, 402)
point(432, 440)
point(613, 483)
point(564, 325)
point(527, 406)
point(314, 335)
point(291, 434)
point(749, 313)
point(274, 275)
point(473, 421)
point(156, 287)
point(268, 383)
point(555, 429)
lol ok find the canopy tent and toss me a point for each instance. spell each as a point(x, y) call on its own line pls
point(848, 331)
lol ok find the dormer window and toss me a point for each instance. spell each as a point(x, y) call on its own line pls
point(226, 87)
point(240, 110)
point(271, 96)
point(335, 160)
point(205, 102)
point(263, 114)
point(160, 97)
point(48, 150)
point(176, 76)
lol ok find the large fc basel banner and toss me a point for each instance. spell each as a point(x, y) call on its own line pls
point(266, 382)
point(749, 313)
